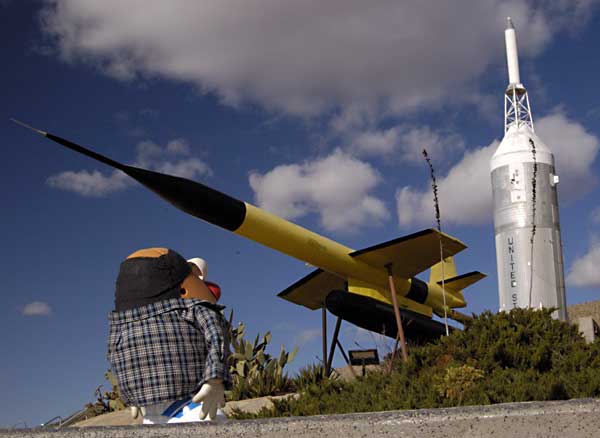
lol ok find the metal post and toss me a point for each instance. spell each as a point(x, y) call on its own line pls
point(346, 358)
point(324, 321)
point(397, 314)
point(336, 332)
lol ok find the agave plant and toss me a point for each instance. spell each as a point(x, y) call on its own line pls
point(254, 372)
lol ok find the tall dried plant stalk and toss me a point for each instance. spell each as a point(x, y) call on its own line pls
point(533, 208)
point(436, 203)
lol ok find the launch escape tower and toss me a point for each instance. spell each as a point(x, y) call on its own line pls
point(526, 217)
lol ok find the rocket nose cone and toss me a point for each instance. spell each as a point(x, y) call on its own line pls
point(509, 23)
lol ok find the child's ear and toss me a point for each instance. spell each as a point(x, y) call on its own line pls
point(183, 292)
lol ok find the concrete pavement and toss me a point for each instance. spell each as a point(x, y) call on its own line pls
point(573, 419)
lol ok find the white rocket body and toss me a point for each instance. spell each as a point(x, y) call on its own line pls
point(512, 55)
point(529, 275)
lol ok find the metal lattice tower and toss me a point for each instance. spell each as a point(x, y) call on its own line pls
point(516, 107)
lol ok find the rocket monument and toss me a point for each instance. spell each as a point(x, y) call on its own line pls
point(526, 217)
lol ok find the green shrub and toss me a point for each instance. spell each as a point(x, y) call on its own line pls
point(458, 382)
point(522, 355)
point(313, 374)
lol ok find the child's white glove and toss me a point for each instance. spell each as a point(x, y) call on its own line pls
point(135, 411)
point(212, 396)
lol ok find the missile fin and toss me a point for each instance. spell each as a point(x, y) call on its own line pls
point(448, 268)
point(411, 254)
point(310, 291)
point(460, 282)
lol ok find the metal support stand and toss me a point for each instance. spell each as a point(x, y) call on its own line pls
point(346, 358)
point(324, 323)
point(336, 332)
point(398, 320)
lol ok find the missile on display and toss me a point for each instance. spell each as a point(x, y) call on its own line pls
point(353, 285)
point(526, 217)
point(512, 54)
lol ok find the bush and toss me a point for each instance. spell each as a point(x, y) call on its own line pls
point(313, 374)
point(523, 355)
point(108, 401)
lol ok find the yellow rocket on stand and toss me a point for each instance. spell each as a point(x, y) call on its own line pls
point(366, 301)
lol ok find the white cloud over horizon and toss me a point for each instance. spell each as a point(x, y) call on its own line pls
point(173, 159)
point(465, 192)
point(584, 271)
point(306, 58)
point(336, 187)
point(36, 308)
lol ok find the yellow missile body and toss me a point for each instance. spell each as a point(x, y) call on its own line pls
point(364, 271)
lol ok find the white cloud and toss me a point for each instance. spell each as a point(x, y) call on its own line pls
point(306, 336)
point(178, 147)
point(574, 150)
point(37, 308)
point(336, 187)
point(92, 184)
point(465, 193)
point(173, 159)
point(305, 57)
point(584, 271)
point(186, 169)
point(404, 142)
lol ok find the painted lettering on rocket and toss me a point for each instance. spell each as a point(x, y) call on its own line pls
point(513, 273)
point(316, 245)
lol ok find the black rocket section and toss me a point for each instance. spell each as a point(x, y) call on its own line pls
point(189, 196)
point(379, 317)
point(193, 198)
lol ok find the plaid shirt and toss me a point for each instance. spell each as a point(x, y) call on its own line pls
point(166, 350)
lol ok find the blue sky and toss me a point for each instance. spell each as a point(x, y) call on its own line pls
point(317, 112)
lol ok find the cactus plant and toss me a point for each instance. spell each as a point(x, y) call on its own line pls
point(254, 372)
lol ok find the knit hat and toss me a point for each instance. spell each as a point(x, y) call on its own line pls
point(150, 275)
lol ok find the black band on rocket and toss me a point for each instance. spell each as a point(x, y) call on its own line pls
point(418, 290)
point(193, 198)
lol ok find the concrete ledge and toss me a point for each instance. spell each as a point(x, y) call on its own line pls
point(573, 418)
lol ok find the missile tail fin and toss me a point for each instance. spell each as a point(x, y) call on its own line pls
point(456, 284)
point(447, 267)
